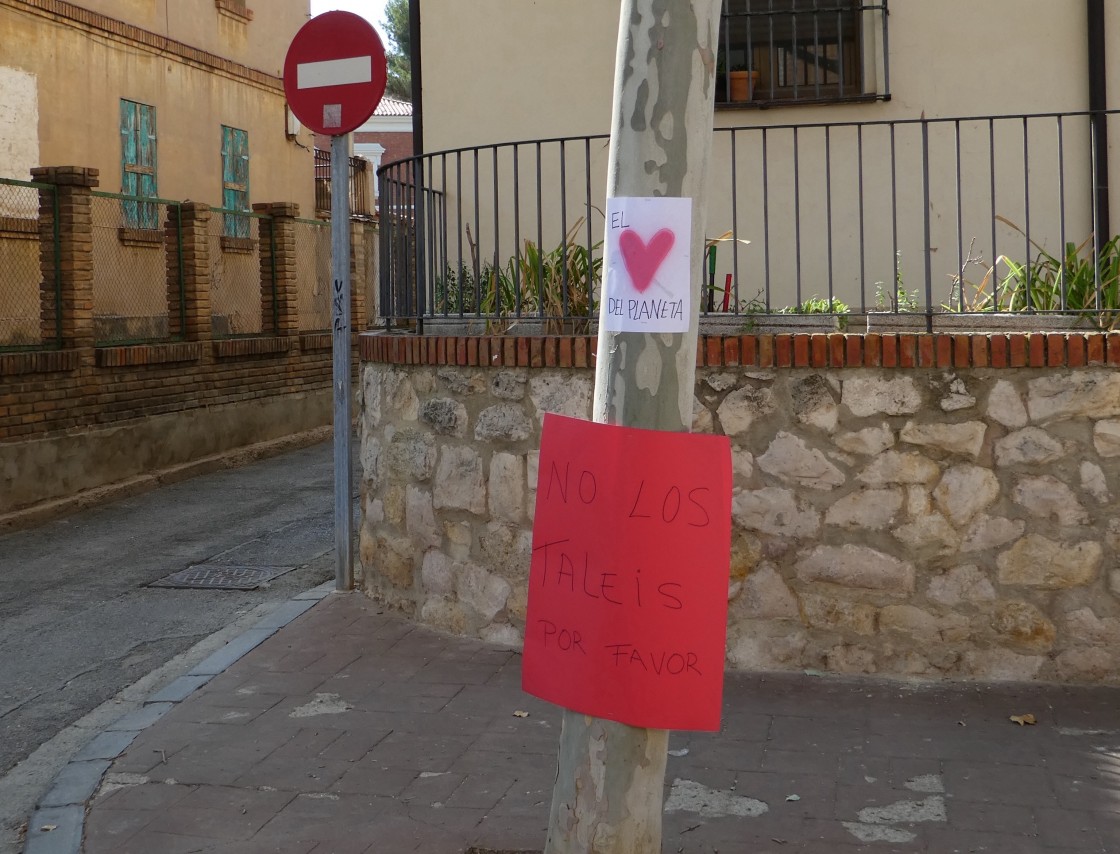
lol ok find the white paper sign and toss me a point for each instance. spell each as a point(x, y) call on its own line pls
point(647, 286)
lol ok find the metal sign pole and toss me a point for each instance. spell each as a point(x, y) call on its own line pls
point(340, 340)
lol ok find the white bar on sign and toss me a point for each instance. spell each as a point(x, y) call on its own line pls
point(334, 72)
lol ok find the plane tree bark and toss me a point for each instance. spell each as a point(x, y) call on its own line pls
point(610, 781)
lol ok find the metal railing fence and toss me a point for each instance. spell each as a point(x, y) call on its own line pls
point(968, 215)
point(131, 254)
point(370, 236)
point(322, 179)
point(359, 184)
point(313, 274)
point(236, 273)
point(26, 319)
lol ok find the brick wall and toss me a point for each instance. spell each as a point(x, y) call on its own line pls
point(58, 404)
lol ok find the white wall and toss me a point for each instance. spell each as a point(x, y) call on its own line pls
point(19, 124)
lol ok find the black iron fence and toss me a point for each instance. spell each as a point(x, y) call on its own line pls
point(964, 215)
point(359, 184)
point(27, 320)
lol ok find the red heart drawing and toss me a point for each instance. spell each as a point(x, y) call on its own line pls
point(642, 259)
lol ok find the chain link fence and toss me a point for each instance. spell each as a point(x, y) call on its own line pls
point(235, 273)
point(313, 274)
point(21, 277)
point(130, 260)
point(134, 257)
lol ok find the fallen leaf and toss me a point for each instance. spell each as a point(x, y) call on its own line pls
point(47, 828)
point(793, 797)
point(520, 714)
point(1024, 720)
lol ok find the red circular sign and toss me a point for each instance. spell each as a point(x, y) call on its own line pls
point(334, 73)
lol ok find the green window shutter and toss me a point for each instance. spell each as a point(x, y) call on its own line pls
point(138, 164)
point(147, 136)
point(235, 180)
point(227, 144)
point(241, 161)
point(129, 178)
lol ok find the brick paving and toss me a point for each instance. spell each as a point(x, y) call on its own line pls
point(352, 730)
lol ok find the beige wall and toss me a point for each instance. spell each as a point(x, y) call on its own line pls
point(542, 69)
point(198, 23)
point(64, 465)
point(499, 70)
point(547, 72)
point(82, 75)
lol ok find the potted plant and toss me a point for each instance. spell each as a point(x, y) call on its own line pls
point(742, 83)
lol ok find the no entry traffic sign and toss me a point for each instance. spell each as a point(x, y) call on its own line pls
point(334, 73)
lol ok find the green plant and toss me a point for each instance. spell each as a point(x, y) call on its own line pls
point(1088, 285)
point(750, 309)
point(820, 305)
point(1076, 282)
point(458, 291)
point(817, 305)
point(900, 300)
point(558, 285)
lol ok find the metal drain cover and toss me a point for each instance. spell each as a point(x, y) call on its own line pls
point(213, 576)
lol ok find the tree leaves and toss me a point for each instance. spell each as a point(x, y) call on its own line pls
point(399, 50)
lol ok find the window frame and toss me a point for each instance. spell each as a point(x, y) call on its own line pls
point(847, 44)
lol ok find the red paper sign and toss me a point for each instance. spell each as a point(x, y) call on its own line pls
point(627, 614)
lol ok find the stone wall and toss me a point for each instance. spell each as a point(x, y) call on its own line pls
point(922, 521)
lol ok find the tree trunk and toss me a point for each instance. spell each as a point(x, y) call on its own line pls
point(610, 781)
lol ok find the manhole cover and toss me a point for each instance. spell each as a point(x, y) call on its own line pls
point(211, 576)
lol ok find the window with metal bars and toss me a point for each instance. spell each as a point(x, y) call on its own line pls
point(801, 51)
point(235, 181)
point(138, 164)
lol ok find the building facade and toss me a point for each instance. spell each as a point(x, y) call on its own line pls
point(165, 291)
point(855, 142)
point(179, 101)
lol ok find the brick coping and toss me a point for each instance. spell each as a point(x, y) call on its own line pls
point(767, 350)
point(130, 355)
point(38, 362)
point(262, 345)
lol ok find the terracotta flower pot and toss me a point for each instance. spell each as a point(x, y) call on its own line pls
point(743, 84)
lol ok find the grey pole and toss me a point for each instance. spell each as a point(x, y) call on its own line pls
point(340, 341)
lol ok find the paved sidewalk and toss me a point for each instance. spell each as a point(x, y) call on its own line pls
point(351, 730)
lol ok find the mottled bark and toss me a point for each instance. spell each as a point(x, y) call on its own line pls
point(610, 779)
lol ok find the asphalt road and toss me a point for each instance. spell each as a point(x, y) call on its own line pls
point(79, 623)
